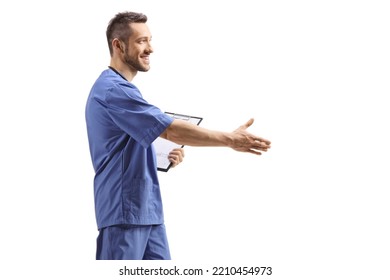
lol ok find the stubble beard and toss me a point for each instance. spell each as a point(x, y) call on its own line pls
point(135, 64)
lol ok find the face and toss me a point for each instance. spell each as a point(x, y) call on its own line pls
point(138, 49)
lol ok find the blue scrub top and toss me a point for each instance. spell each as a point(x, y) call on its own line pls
point(121, 127)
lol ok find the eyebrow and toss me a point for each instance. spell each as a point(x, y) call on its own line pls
point(143, 37)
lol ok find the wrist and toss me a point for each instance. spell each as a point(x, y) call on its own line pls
point(228, 139)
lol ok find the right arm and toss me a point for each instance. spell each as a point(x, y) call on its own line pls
point(185, 133)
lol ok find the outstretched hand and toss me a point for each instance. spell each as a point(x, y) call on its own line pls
point(243, 141)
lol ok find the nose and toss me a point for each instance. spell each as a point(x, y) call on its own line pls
point(149, 49)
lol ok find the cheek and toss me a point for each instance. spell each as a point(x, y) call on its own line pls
point(132, 51)
point(137, 51)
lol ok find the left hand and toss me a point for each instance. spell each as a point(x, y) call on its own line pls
point(176, 156)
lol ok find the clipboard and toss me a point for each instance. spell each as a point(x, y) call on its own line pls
point(163, 146)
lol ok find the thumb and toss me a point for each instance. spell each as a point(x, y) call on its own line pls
point(248, 123)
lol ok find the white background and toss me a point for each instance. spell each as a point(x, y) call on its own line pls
point(313, 74)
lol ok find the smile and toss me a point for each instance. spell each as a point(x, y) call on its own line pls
point(145, 58)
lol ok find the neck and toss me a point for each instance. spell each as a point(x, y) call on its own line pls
point(124, 70)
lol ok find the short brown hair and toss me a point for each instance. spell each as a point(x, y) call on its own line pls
point(119, 26)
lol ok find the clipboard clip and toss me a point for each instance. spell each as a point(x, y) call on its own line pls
point(180, 116)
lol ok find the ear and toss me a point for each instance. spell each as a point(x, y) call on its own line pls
point(117, 45)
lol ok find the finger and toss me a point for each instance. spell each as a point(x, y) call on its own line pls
point(264, 149)
point(245, 125)
point(262, 146)
point(175, 157)
point(181, 150)
point(177, 153)
point(262, 140)
point(173, 160)
point(255, 152)
point(265, 145)
point(248, 123)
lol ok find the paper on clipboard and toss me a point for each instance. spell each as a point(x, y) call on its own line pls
point(163, 147)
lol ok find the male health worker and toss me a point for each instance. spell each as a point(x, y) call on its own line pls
point(121, 127)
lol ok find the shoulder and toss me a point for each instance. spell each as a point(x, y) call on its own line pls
point(110, 83)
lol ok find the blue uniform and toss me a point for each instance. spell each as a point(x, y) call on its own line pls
point(121, 127)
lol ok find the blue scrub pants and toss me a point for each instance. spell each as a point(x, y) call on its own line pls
point(133, 242)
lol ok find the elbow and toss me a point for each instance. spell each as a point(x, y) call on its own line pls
point(169, 134)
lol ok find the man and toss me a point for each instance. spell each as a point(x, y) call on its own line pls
point(121, 127)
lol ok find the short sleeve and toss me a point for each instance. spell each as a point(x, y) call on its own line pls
point(144, 122)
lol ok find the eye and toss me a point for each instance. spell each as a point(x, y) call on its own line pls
point(144, 41)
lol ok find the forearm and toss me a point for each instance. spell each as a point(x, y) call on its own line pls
point(185, 133)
